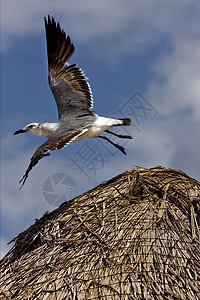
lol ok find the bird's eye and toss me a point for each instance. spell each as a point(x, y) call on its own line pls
point(30, 126)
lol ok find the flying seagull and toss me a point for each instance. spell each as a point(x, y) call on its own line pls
point(74, 101)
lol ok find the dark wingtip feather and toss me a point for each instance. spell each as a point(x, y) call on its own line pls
point(23, 180)
point(59, 47)
point(59, 50)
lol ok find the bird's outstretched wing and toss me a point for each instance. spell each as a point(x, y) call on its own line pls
point(52, 143)
point(68, 83)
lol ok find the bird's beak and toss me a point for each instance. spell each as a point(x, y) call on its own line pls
point(19, 131)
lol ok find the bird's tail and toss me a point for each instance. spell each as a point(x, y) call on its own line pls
point(126, 121)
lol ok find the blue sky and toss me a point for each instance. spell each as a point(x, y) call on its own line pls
point(134, 53)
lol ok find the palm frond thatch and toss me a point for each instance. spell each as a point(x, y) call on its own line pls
point(136, 236)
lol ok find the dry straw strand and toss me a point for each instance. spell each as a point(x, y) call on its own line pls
point(135, 236)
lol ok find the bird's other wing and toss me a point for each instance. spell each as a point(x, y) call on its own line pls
point(52, 143)
point(67, 82)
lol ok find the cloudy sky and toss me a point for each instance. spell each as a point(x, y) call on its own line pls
point(142, 59)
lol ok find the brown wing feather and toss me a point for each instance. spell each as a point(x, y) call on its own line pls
point(75, 77)
point(43, 150)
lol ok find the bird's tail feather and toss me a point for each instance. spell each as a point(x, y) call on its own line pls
point(126, 122)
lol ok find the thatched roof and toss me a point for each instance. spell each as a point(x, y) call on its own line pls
point(134, 237)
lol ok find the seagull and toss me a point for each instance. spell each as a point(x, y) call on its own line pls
point(73, 96)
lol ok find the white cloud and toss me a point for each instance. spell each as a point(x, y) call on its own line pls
point(186, 140)
point(128, 27)
point(175, 92)
point(168, 142)
point(175, 86)
point(152, 145)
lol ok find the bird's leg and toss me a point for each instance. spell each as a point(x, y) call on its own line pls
point(119, 147)
point(119, 135)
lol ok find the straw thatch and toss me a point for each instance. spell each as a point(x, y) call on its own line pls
point(134, 237)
